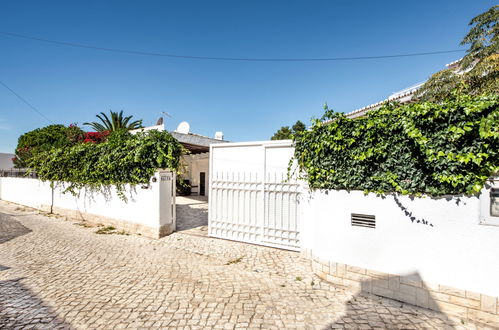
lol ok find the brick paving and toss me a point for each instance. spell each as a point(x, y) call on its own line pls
point(57, 273)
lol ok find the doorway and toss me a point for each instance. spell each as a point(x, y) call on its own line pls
point(202, 183)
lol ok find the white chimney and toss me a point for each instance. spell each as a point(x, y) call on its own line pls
point(219, 135)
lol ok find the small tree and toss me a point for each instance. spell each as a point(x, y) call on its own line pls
point(478, 71)
point(285, 133)
point(483, 37)
point(43, 139)
point(116, 122)
point(298, 127)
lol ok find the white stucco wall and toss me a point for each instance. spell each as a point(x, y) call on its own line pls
point(144, 206)
point(25, 191)
point(148, 128)
point(455, 250)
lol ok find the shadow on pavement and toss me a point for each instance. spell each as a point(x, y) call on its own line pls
point(20, 308)
point(384, 313)
point(11, 228)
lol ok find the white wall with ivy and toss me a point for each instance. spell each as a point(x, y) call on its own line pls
point(144, 205)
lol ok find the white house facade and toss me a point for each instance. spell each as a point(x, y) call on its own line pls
point(6, 162)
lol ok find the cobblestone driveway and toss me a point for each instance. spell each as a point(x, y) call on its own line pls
point(192, 214)
point(56, 273)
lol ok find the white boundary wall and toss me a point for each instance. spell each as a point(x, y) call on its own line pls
point(149, 209)
point(456, 250)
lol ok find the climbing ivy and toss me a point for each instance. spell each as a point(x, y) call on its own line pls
point(120, 160)
point(421, 148)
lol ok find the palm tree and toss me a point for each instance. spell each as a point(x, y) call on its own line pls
point(116, 122)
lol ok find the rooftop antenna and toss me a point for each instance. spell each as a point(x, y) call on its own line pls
point(167, 114)
point(160, 120)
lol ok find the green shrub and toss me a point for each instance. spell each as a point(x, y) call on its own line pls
point(183, 187)
point(121, 159)
point(43, 139)
point(422, 148)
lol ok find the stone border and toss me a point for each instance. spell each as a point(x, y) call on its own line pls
point(130, 227)
point(467, 305)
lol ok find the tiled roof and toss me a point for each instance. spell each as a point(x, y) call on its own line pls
point(196, 139)
point(454, 63)
point(194, 142)
point(404, 95)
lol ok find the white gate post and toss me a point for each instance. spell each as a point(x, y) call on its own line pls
point(167, 192)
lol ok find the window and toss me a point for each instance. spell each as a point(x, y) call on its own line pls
point(489, 204)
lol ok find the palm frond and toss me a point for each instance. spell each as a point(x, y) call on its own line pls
point(135, 124)
point(126, 120)
point(96, 126)
point(114, 121)
point(105, 121)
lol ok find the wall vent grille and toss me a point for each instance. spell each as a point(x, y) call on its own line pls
point(363, 220)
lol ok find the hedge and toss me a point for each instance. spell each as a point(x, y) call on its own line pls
point(421, 148)
point(122, 159)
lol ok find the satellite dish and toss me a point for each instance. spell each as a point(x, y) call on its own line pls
point(219, 135)
point(183, 127)
point(160, 121)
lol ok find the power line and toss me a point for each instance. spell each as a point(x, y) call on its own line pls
point(24, 101)
point(248, 59)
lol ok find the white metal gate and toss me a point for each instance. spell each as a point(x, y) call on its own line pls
point(251, 199)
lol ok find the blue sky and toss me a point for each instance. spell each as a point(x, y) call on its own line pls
point(245, 100)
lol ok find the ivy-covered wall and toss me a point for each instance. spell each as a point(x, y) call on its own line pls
point(421, 148)
point(121, 159)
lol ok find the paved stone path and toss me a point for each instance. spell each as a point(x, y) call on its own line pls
point(57, 273)
point(192, 214)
